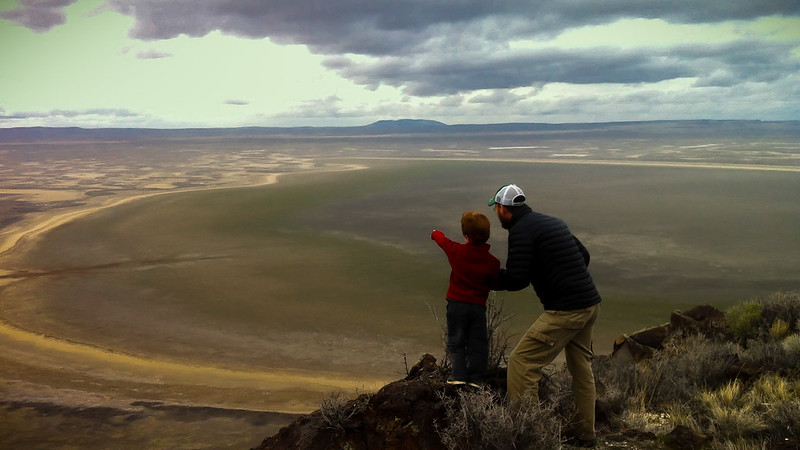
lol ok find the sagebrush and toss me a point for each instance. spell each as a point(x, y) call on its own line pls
point(482, 420)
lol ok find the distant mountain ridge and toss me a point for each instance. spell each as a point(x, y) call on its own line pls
point(407, 124)
point(414, 126)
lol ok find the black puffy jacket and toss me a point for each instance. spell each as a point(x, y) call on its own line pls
point(543, 252)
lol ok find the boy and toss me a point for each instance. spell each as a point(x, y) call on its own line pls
point(474, 272)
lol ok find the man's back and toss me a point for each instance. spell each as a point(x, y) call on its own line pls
point(542, 251)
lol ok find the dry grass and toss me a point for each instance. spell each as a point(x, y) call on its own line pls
point(732, 412)
point(779, 329)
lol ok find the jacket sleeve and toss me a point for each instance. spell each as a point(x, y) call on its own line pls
point(519, 264)
point(494, 279)
point(443, 241)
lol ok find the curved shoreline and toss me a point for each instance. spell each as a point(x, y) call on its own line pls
point(60, 355)
point(43, 226)
point(295, 391)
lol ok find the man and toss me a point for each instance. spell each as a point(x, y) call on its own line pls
point(543, 252)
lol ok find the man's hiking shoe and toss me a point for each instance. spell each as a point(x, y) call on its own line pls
point(474, 385)
point(456, 382)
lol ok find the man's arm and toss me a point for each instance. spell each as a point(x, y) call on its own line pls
point(509, 282)
point(583, 250)
point(519, 264)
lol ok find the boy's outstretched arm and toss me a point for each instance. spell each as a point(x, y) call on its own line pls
point(443, 241)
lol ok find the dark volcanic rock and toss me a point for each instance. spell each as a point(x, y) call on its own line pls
point(704, 320)
point(684, 438)
point(402, 415)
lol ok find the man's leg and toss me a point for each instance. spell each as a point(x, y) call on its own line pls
point(548, 335)
point(579, 362)
point(538, 347)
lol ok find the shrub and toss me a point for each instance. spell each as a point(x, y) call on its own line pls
point(783, 420)
point(337, 409)
point(685, 414)
point(774, 356)
point(481, 420)
point(444, 361)
point(615, 381)
point(672, 375)
point(742, 320)
point(771, 389)
point(683, 368)
point(792, 344)
point(784, 306)
point(743, 418)
point(555, 389)
point(496, 318)
point(778, 397)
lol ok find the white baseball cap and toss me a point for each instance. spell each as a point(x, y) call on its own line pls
point(508, 195)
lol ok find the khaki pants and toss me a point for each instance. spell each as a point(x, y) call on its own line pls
point(549, 334)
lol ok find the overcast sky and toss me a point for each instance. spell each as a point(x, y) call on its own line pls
point(224, 63)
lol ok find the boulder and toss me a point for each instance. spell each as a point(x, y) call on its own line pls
point(705, 320)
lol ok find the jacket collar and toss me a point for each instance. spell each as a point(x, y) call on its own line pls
point(521, 211)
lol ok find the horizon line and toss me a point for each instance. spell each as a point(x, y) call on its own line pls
point(410, 123)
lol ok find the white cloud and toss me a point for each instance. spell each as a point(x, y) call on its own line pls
point(153, 54)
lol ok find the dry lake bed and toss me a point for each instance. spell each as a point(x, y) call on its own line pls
point(197, 292)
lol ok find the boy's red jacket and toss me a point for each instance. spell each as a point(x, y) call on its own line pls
point(474, 270)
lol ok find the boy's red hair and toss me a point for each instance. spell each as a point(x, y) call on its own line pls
point(475, 225)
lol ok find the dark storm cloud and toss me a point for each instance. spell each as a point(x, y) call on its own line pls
point(712, 65)
point(445, 75)
point(375, 27)
point(38, 15)
point(737, 62)
point(457, 46)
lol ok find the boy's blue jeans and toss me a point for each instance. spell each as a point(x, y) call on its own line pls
point(467, 341)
